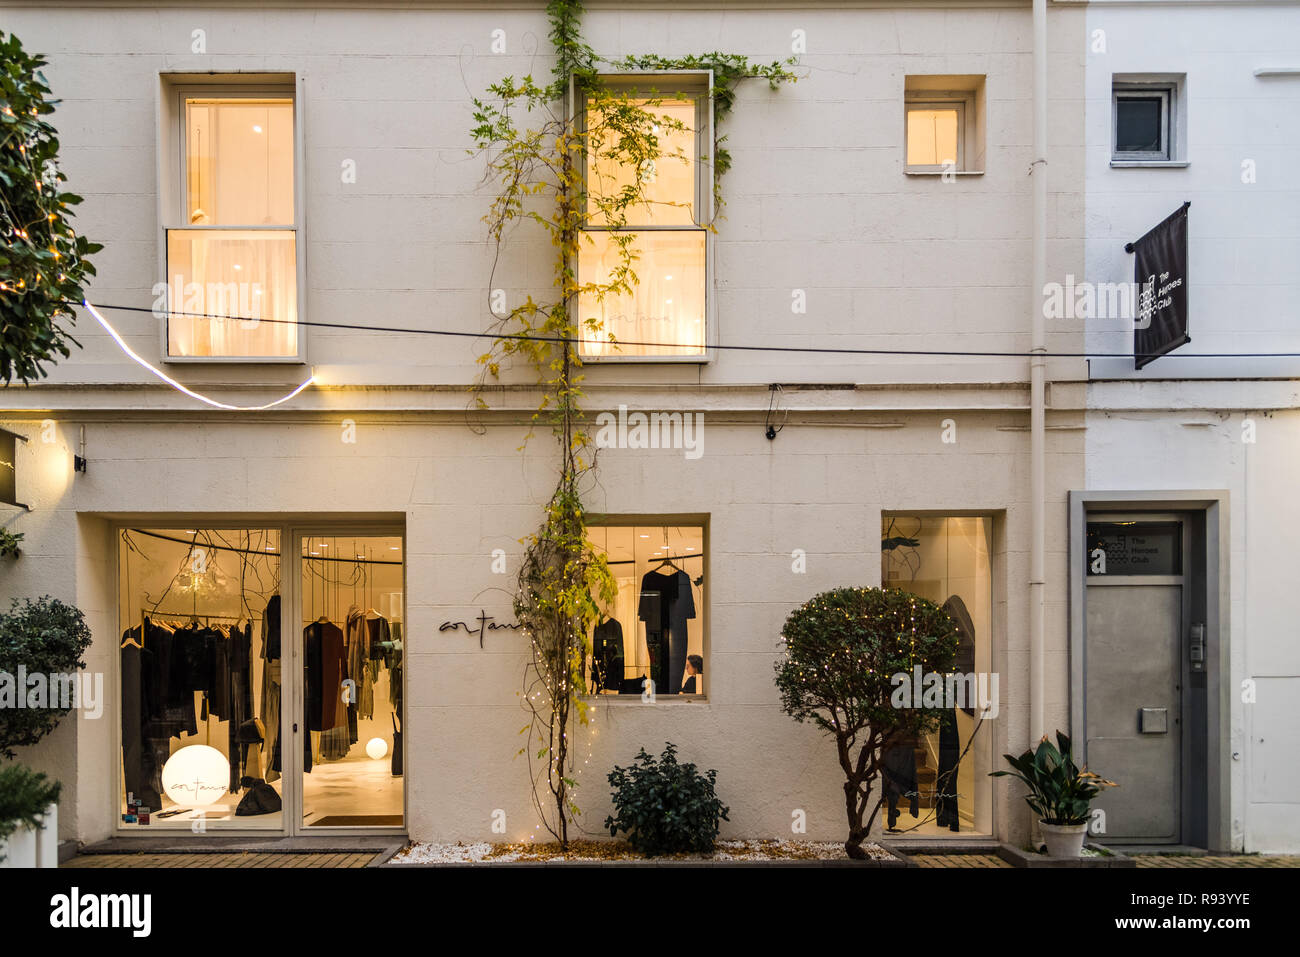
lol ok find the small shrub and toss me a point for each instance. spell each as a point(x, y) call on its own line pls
point(24, 796)
point(46, 636)
point(665, 807)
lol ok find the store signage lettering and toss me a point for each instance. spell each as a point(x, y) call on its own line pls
point(485, 622)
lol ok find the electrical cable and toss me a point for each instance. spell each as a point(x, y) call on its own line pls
point(818, 350)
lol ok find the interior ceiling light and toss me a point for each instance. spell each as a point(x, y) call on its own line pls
point(176, 385)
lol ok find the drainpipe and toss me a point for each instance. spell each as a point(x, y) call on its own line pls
point(1037, 384)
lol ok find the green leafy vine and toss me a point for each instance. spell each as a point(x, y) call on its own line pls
point(538, 154)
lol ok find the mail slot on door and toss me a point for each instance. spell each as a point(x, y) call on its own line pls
point(1153, 720)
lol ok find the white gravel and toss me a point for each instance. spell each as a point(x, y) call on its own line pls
point(748, 850)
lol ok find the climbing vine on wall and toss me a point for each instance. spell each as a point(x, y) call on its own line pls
point(538, 148)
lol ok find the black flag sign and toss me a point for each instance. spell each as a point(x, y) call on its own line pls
point(1160, 275)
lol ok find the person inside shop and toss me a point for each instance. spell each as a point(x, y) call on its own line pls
point(694, 666)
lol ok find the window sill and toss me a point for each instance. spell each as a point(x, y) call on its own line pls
point(648, 360)
point(240, 360)
point(634, 700)
point(1148, 164)
point(943, 172)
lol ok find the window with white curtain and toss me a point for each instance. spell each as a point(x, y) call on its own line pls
point(232, 275)
point(665, 312)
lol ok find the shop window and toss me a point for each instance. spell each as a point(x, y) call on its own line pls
point(938, 784)
point(652, 637)
point(200, 677)
point(207, 742)
point(943, 124)
point(664, 313)
point(232, 230)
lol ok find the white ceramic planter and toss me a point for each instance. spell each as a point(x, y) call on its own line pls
point(1063, 840)
point(47, 838)
point(20, 849)
point(38, 847)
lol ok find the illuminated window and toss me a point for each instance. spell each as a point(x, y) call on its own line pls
point(232, 242)
point(943, 124)
point(664, 312)
point(654, 630)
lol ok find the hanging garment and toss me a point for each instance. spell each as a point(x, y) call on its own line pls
point(137, 710)
point(395, 669)
point(900, 778)
point(326, 667)
point(946, 785)
point(359, 660)
point(666, 604)
point(270, 709)
point(607, 655)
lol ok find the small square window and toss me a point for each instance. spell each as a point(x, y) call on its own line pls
point(934, 135)
point(1143, 122)
point(943, 125)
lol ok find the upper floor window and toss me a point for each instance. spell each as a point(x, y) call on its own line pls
point(1148, 119)
point(663, 312)
point(232, 225)
point(943, 124)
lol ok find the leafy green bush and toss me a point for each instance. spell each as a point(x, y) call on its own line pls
point(43, 261)
point(24, 796)
point(45, 636)
point(665, 807)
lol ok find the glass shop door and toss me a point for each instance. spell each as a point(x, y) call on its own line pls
point(348, 641)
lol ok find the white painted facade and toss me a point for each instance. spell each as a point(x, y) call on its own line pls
point(1184, 422)
point(817, 200)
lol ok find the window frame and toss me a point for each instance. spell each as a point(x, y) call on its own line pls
point(1168, 93)
point(962, 102)
point(173, 187)
point(703, 610)
point(698, 86)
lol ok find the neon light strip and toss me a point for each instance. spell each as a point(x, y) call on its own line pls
point(180, 388)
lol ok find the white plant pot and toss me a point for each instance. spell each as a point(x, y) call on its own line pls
point(47, 838)
point(1063, 840)
point(20, 849)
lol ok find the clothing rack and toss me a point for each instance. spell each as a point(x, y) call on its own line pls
point(657, 561)
point(196, 543)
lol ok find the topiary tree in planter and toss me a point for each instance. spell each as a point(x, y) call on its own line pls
point(45, 637)
point(842, 649)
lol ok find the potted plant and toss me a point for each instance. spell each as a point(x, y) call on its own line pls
point(28, 810)
point(1060, 793)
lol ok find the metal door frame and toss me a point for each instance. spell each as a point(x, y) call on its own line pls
point(291, 612)
point(1183, 581)
point(1213, 506)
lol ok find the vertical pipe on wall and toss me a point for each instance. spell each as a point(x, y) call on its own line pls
point(1037, 384)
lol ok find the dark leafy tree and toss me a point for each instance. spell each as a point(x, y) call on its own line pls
point(842, 649)
point(43, 262)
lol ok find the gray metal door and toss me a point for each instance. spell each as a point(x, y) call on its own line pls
point(1133, 680)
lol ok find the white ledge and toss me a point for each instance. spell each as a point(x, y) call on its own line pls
point(1148, 164)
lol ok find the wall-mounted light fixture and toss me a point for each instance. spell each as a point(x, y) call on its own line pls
point(79, 461)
